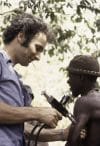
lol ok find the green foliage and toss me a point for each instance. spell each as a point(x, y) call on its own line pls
point(66, 18)
point(5, 3)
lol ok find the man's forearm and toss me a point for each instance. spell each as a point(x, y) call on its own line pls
point(51, 135)
point(10, 114)
point(47, 135)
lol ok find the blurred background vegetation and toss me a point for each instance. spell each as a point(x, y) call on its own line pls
point(76, 25)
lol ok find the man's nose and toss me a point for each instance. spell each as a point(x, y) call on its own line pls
point(38, 56)
point(35, 55)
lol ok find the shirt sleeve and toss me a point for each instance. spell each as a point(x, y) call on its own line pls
point(27, 92)
point(0, 66)
point(28, 95)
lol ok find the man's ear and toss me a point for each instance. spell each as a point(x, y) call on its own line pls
point(82, 77)
point(20, 38)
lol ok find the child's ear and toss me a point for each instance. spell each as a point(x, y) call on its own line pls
point(21, 38)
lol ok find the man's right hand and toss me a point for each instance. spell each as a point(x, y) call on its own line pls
point(83, 134)
point(49, 116)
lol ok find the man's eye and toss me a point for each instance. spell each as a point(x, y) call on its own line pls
point(39, 48)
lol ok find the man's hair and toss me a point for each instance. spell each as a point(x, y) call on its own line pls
point(28, 25)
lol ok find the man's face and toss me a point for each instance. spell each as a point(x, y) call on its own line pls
point(25, 55)
point(75, 83)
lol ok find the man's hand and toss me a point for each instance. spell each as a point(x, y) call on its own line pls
point(83, 134)
point(65, 133)
point(49, 116)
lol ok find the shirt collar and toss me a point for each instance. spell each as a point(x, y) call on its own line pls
point(6, 56)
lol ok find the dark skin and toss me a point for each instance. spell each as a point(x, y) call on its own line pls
point(86, 111)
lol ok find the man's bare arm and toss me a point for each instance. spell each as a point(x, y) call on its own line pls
point(13, 115)
point(47, 135)
point(77, 129)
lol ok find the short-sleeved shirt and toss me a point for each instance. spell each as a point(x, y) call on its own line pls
point(12, 92)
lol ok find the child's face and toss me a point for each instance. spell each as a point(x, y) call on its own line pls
point(75, 83)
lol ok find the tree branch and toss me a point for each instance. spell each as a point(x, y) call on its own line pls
point(90, 8)
point(14, 10)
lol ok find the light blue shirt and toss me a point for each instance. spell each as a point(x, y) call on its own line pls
point(13, 93)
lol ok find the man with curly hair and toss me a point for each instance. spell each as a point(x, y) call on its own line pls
point(24, 41)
